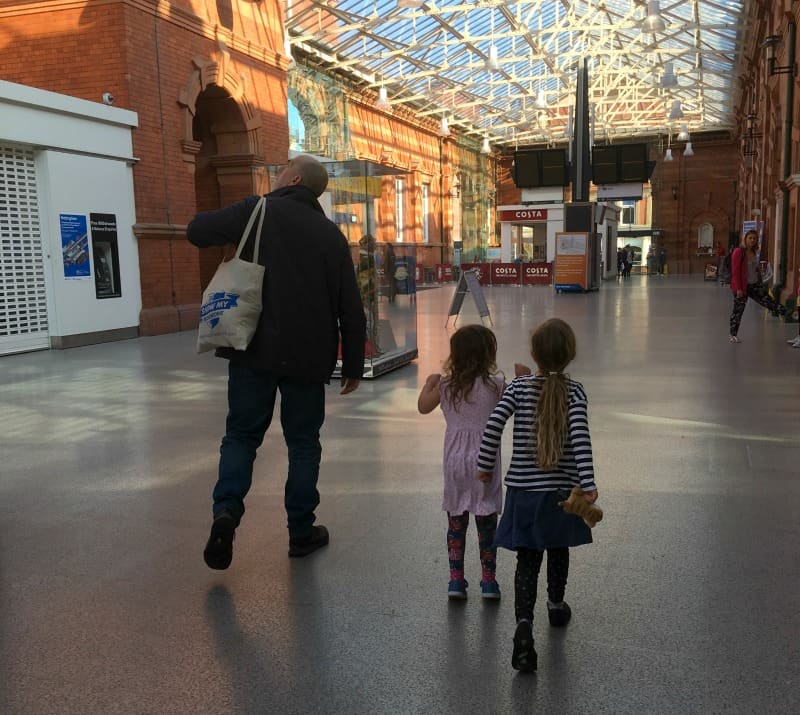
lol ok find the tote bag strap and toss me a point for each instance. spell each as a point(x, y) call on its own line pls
point(259, 211)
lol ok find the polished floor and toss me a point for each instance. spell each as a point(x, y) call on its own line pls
point(687, 602)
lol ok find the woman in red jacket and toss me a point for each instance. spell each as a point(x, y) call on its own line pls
point(746, 283)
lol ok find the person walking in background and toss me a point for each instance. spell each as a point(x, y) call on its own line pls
point(467, 395)
point(746, 283)
point(620, 263)
point(651, 261)
point(552, 453)
point(662, 259)
point(389, 267)
point(310, 297)
point(795, 342)
point(367, 274)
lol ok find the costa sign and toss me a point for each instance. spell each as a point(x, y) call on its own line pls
point(523, 215)
point(504, 273)
point(537, 269)
point(536, 273)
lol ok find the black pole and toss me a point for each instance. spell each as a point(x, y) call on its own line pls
point(580, 188)
point(787, 164)
point(441, 197)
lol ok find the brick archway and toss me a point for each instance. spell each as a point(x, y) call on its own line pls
point(212, 73)
point(220, 140)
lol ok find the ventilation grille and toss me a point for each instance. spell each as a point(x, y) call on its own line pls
point(23, 298)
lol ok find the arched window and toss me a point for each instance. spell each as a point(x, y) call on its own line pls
point(705, 236)
point(297, 129)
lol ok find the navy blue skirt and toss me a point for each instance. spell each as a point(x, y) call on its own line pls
point(534, 520)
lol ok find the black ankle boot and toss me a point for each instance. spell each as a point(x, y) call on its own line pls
point(218, 553)
point(524, 657)
point(559, 615)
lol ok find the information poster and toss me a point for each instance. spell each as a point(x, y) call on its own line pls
point(105, 255)
point(75, 246)
point(570, 268)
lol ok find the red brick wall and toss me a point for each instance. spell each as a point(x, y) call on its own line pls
point(705, 191)
point(74, 51)
point(146, 62)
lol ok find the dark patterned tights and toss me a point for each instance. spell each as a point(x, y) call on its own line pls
point(529, 561)
point(456, 544)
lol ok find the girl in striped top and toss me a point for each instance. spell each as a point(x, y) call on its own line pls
point(552, 452)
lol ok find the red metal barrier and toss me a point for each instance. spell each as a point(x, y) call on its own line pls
point(444, 273)
point(537, 273)
point(505, 273)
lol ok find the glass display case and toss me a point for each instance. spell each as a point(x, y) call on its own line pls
point(367, 202)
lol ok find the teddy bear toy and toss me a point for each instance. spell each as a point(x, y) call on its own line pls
point(577, 505)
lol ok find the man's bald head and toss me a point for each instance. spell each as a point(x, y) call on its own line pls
point(306, 171)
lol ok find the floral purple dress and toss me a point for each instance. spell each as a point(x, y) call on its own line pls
point(462, 489)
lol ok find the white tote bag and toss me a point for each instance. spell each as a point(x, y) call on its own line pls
point(231, 302)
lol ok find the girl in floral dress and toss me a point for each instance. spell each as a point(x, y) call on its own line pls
point(467, 394)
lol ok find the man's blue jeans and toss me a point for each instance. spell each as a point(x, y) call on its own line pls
point(251, 402)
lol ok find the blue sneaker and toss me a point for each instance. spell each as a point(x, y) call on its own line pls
point(490, 589)
point(457, 589)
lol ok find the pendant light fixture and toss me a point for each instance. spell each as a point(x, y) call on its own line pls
point(492, 62)
point(668, 79)
point(541, 100)
point(444, 127)
point(654, 22)
point(688, 151)
point(675, 112)
point(383, 99)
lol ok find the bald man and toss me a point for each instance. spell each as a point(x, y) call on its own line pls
point(310, 301)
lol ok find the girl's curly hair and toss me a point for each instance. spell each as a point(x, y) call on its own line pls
point(473, 355)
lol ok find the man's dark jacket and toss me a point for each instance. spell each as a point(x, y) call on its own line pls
point(310, 292)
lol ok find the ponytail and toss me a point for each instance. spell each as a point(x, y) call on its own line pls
point(553, 348)
point(551, 420)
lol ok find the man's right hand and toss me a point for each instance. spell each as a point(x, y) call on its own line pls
point(349, 384)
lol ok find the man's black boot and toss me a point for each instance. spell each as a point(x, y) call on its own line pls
point(219, 549)
point(303, 547)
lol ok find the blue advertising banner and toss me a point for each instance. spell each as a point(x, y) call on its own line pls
point(75, 246)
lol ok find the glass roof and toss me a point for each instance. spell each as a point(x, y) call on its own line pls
point(507, 70)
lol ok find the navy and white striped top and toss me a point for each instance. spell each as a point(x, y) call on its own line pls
point(575, 467)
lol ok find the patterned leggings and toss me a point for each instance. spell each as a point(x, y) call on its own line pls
point(759, 295)
point(529, 561)
point(457, 541)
